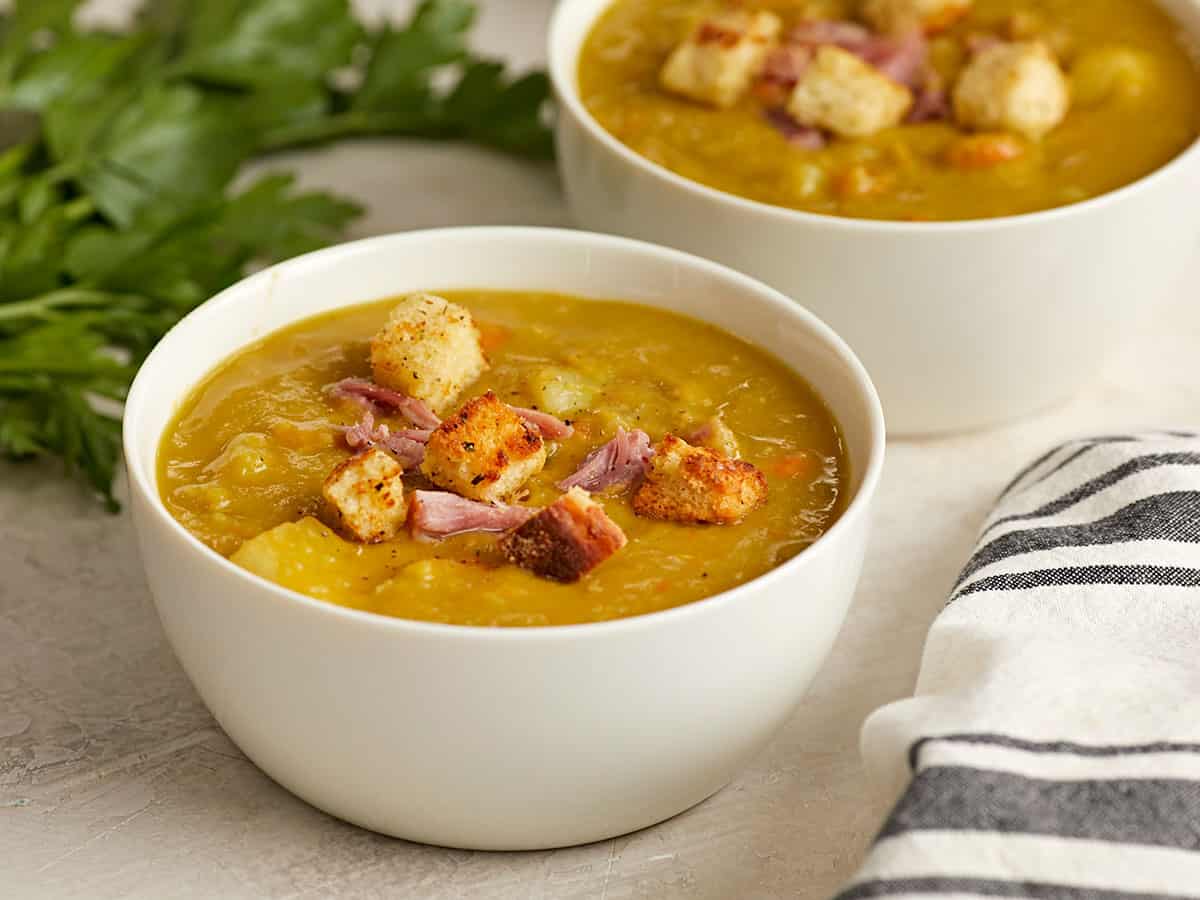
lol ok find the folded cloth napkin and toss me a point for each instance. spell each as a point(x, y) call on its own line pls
point(1052, 748)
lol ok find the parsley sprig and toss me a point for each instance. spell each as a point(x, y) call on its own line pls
point(117, 152)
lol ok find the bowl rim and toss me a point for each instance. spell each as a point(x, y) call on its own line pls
point(563, 69)
point(142, 472)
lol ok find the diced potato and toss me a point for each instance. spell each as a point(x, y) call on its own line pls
point(304, 438)
point(305, 556)
point(1108, 73)
point(716, 435)
point(1012, 87)
point(249, 459)
point(841, 93)
point(717, 61)
point(561, 392)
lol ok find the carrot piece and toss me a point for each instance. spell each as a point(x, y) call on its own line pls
point(492, 337)
point(982, 151)
point(795, 465)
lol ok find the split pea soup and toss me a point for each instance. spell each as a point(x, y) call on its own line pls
point(242, 465)
point(1134, 92)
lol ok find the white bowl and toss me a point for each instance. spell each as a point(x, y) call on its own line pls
point(961, 324)
point(498, 738)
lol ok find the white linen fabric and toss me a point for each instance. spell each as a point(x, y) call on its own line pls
point(1052, 747)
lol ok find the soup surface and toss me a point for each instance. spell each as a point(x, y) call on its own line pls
point(1135, 105)
point(242, 466)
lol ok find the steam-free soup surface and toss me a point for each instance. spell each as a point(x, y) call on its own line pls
point(1135, 106)
point(242, 466)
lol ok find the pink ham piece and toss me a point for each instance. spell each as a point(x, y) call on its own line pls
point(370, 395)
point(816, 32)
point(622, 461)
point(931, 103)
point(437, 514)
point(408, 446)
point(903, 59)
point(805, 137)
point(786, 65)
point(552, 428)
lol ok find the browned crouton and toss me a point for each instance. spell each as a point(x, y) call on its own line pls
point(429, 349)
point(716, 62)
point(698, 485)
point(566, 540)
point(364, 497)
point(841, 93)
point(484, 451)
point(1013, 87)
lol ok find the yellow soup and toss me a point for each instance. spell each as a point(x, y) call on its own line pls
point(242, 466)
point(1135, 105)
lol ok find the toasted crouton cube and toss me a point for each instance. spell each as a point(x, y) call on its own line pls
point(566, 540)
point(364, 497)
point(900, 16)
point(717, 61)
point(1012, 87)
point(485, 451)
point(429, 349)
point(841, 93)
point(698, 485)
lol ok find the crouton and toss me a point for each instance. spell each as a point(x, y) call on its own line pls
point(900, 16)
point(1012, 87)
point(485, 451)
point(841, 93)
point(429, 349)
point(717, 61)
point(364, 497)
point(566, 540)
point(698, 485)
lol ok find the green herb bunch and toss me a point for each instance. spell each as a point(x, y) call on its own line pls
point(117, 151)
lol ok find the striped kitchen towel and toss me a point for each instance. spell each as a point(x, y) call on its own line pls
point(1052, 748)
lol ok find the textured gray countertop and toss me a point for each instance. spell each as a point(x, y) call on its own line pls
point(115, 781)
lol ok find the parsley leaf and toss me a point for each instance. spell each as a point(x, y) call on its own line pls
point(117, 156)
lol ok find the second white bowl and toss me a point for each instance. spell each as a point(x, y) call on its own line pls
point(961, 324)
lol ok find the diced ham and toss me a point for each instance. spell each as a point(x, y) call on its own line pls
point(410, 453)
point(816, 32)
point(903, 59)
point(785, 65)
point(408, 445)
point(930, 104)
point(371, 396)
point(437, 514)
point(621, 461)
point(552, 428)
point(805, 137)
point(364, 434)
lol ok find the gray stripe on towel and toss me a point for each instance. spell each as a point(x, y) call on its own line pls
point(1100, 483)
point(988, 887)
point(1153, 812)
point(1170, 517)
